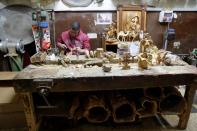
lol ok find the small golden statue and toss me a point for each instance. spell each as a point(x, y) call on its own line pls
point(125, 61)
point(111, 33)
point(123, 35)
point(146, 44)
point(143, 61)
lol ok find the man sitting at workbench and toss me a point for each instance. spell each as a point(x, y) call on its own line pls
point(74, 41)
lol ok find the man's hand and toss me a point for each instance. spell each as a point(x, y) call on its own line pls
point(80, 51)
point(62, 46)
point(76, 49)
point(87, 53)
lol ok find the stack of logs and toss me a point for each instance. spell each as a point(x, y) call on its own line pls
point(126, 107)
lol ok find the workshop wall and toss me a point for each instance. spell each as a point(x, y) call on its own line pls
point(185, 27)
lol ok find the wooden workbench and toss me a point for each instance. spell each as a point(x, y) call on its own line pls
point(75, 78)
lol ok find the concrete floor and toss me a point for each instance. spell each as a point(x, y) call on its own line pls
point(148, 124)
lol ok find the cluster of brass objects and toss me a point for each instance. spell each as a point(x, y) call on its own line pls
point(132, 30)
point(107, 58)
point(149, 54)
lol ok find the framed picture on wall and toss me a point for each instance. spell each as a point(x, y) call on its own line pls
point(127, 16)
point(104, 18)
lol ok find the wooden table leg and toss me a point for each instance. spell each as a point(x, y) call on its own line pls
point(29, 111)
point(189, 96)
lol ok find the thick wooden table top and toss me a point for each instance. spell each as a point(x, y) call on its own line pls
point(78, 78)
point(78, 71)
